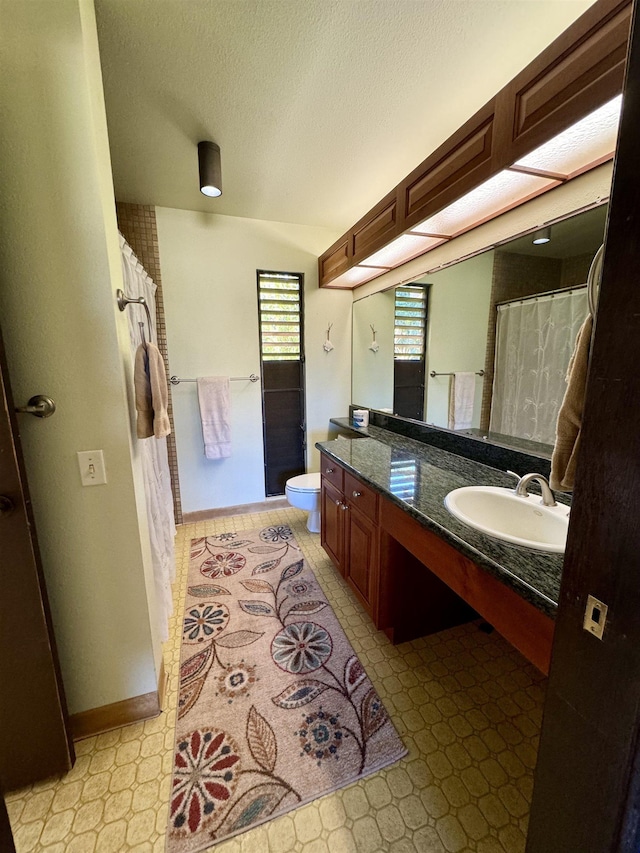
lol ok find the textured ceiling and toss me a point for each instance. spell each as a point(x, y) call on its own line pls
point(319, 106)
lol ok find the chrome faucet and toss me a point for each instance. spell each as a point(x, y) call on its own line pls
point(548, 498)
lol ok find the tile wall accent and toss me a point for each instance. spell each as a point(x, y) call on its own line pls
point(137, 223)
point(575, 270)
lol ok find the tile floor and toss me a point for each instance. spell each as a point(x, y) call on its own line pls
point(466, 704)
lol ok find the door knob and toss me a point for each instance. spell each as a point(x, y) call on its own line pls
point(6, 505)
point(40, 406)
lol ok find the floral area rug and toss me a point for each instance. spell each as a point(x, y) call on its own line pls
point(274, 707)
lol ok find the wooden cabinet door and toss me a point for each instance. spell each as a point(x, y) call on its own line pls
point(332, 523)
point(361, 555)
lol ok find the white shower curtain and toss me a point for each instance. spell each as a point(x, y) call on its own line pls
point(153, 451)
point(534, 341)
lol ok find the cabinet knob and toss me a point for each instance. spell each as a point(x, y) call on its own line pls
point(344, 507)
point(328, 470)
point(338, 503)
point(357, 494)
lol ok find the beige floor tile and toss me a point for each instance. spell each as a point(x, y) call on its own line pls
point(467, 705)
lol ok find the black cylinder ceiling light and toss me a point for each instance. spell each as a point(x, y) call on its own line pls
point(210, 170)
point(542, 235)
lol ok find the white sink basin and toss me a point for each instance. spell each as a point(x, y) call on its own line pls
point(504, 515)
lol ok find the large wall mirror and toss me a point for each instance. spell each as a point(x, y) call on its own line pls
point(482, 347)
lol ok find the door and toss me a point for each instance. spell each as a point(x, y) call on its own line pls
point(332, 523)
point(360, 554)
point(586, 796)
point(34, 742)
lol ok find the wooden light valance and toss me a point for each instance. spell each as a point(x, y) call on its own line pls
point(582, 70)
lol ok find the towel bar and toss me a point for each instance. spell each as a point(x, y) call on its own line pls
point(433, 373)
point(252, 378)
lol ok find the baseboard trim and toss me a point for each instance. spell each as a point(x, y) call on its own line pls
point(241, 509)
point(96, 721)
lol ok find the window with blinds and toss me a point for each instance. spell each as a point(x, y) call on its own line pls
point(281, 331)
point(410, 323)
point(280, 315)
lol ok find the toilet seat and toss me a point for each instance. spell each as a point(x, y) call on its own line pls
point(304, 483)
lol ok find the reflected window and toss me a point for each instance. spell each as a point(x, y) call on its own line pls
point(403, 478)
point(409, 339)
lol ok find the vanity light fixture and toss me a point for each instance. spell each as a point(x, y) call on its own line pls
point(487, 166)
point(210, 169)
point(542, 235)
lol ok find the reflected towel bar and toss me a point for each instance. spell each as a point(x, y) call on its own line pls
point(253, 378)
point(433, 373)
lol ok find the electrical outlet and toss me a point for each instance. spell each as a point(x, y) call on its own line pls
point(92, 471)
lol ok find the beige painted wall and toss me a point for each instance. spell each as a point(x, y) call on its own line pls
point(209, 265)
point(372, 372)
point(459, 299)
point(65, 337)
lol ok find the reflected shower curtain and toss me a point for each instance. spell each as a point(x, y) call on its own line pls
point(534, 341)
point(152, 451)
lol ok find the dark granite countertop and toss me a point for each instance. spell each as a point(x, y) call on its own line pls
point(417, 476)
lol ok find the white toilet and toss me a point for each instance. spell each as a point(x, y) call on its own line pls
point(303, 492)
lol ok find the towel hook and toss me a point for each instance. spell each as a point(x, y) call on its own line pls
point(327, 346)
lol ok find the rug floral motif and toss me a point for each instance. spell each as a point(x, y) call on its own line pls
point(274, 707)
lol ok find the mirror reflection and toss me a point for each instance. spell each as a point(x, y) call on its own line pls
point(481, 347)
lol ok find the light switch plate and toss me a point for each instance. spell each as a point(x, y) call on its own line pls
point(92, 470)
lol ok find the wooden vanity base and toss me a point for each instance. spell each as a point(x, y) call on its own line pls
point(412, 601)
point(519, 622)
point(411, 582)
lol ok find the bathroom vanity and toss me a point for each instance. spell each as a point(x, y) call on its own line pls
point(413, 566)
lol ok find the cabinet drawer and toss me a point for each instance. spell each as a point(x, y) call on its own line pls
point(331, 471)
point(358, 495)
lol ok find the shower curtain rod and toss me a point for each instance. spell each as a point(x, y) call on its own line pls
point(559, 292)
point(252, 378)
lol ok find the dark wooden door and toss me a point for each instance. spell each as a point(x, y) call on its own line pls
point(6, 836)
point(587, 786)
point(284, 427)
point(408, 389)
point(34, 742)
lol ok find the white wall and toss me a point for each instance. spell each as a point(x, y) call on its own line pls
point(458, 319)
point(372, 372)
point(65, 337)
point(209, 265)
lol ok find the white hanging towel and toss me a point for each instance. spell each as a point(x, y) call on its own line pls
point(462, 389)
point(213, 397)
